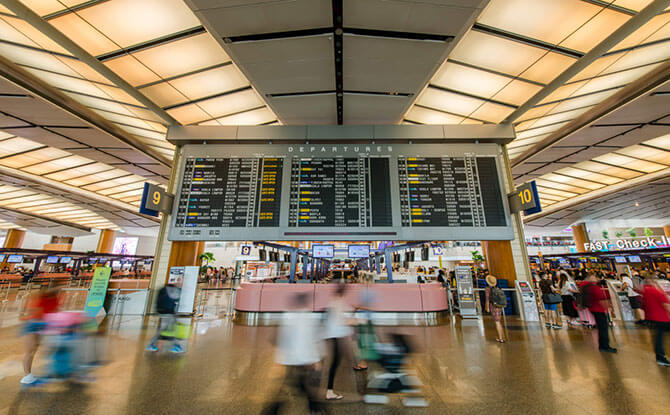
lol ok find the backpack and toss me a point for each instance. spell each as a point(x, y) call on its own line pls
point(498, 297)
point(166, 304)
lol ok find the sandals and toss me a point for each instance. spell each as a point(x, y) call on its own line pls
point(337, 397)
point(501, 340)
point(359, 368)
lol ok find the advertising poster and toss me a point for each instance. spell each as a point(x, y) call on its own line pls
point(98, 290)
point(257, 271)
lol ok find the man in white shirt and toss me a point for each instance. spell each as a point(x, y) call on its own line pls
point(299, 349)
point(634, 297)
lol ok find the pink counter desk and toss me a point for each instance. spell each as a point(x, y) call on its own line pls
point(391, 304)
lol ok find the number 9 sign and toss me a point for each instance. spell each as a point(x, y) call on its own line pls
point(246, 250)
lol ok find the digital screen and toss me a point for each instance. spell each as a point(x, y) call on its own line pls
point(359, 251)
point(14, 259)
point(230, 192)
point(620, 259)
point(323, 251)
point(116, 264)
point(340, 192)
point(634, 259)
point(450, 191)
point(2, 257)
point(92, 260)
point(52, 259)
point(563, 261)
point(65, 259)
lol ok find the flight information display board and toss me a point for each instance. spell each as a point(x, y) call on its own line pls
point(340, 192)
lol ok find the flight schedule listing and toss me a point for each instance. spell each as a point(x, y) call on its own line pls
point(450, 191)
point(340, 192)
point(230, 192)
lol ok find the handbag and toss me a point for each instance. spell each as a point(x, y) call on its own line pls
point(551, 298)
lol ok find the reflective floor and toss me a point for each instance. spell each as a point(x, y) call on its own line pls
point(229, 369)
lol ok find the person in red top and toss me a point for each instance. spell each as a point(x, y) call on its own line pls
point(44, 303)
point(657, 310)
point(598, 302)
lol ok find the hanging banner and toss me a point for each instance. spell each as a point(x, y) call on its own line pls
point(97, 291)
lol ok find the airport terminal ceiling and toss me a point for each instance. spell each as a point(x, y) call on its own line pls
point(90, 88)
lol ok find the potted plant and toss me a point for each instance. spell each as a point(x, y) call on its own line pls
point(206, 258)
point(477, 258)
point(619, 234)
point(606, 234)
point(631, 232)
point(648, 232)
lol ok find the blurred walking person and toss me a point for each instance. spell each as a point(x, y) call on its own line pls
point(597, 300)
point(336, 333)
point(568, 290)
point(166, 306)
point(299, 350)
point(657, 311)
point(39, 307)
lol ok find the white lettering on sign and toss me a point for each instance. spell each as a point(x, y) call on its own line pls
point(337, 149)
point(625, 244)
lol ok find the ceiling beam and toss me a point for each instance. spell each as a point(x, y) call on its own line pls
point(92, 196)
point(44, 218)
point(605, 191)
point(38, 88)
point(634, 23)
point(57, 36)
point(632, 91)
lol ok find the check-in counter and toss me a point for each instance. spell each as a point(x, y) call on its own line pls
point(401, 304)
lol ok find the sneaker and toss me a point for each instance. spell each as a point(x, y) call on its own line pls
point(151, 348)
point(608, 349)
point(663, 361)
point(28, 379)
point(547, 325)
point(177, 349)
point(640, 322)
point(556, 326)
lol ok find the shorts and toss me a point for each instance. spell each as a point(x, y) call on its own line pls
point(552, 307)
point(635, 302)
point(33, 326)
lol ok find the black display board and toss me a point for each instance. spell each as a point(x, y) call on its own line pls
point(340, 192)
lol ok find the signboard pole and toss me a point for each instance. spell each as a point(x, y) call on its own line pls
point(97, 291)
point(389, 261)
point(294, 260)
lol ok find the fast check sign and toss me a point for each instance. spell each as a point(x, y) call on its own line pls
point(98, 290)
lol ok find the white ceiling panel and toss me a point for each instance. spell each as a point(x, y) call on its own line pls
point(360, 109)
point(288, 65)
point(42, 136)
point(638, 135)
point(592, 135)
point(388, 65)
point(444, 17)
point(244, 17)
point(311, 109)
point(644, 109)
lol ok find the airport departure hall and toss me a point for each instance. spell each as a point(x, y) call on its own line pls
point(334, 207)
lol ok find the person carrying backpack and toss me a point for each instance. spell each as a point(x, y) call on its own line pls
point(495, 302)
point(166, 306)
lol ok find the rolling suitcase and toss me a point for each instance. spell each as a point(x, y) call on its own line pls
point(586, 317)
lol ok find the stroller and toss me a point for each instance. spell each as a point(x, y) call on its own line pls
point(67, 335)
point(395, 378)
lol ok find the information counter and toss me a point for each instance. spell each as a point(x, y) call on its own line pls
point(390, 304)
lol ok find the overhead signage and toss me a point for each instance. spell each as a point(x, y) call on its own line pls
point(359, 251)
point(155, 199)
point(648, 242)
point(438, 250)
point(97, 291)
point(340, 192)
point(525, 198)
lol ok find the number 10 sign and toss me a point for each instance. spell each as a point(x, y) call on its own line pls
point(525, 199)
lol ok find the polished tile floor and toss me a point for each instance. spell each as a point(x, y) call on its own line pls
point(229, 370)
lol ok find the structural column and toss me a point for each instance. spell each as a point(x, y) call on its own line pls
point(106, 241)
point(184, 254)
point(666, 231)
point(14, 238)
point(500, 260)
point(580, 235)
